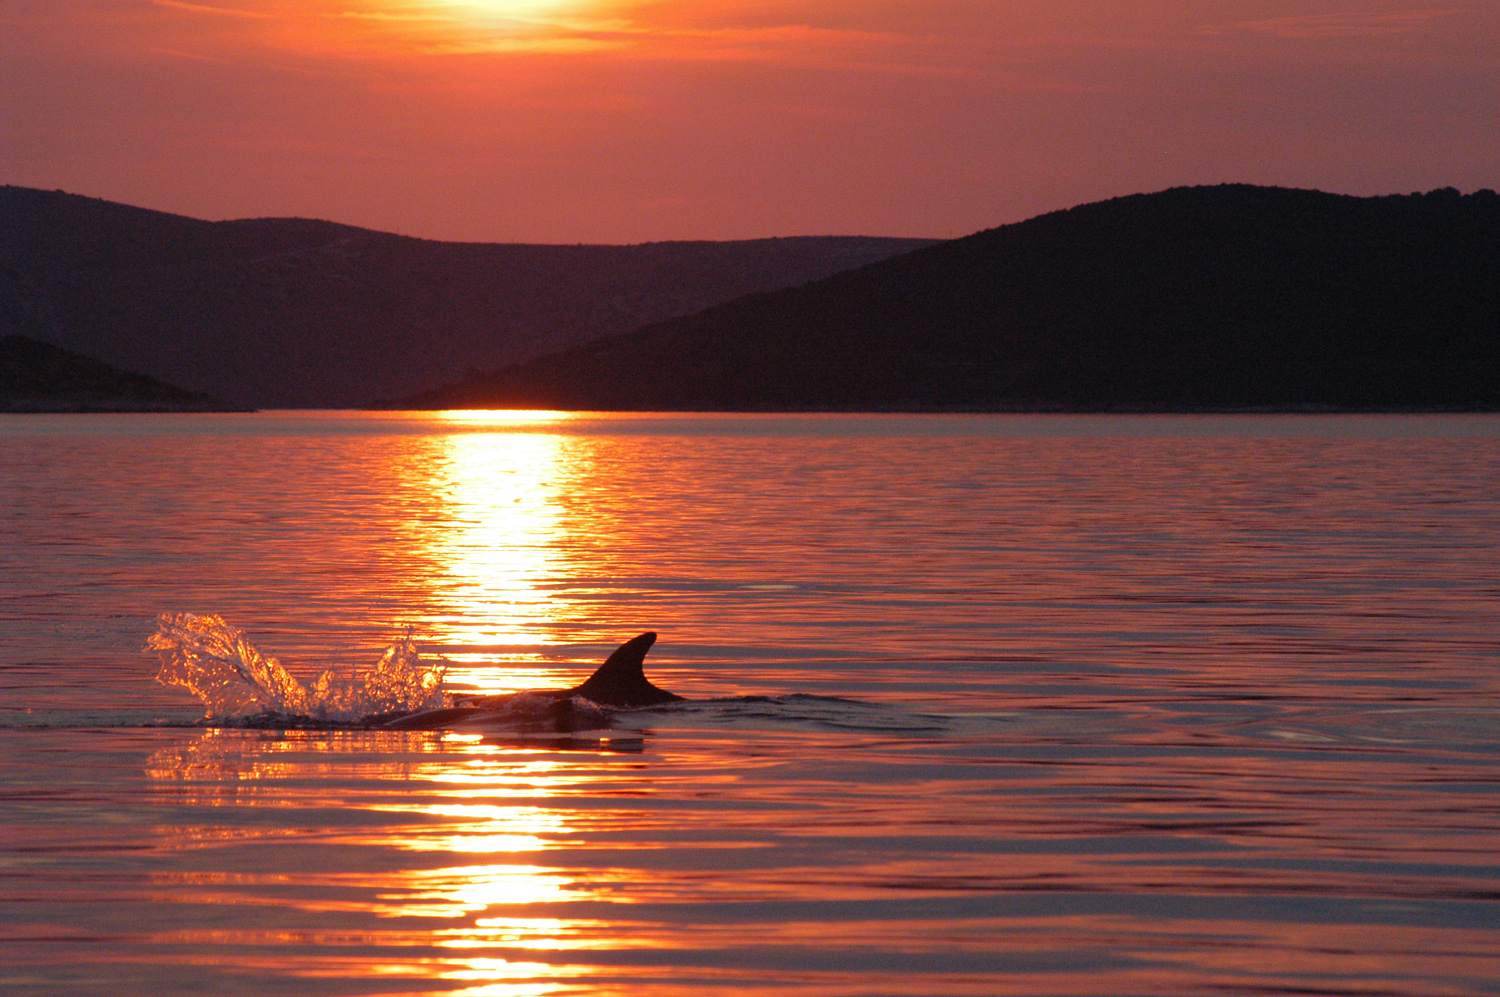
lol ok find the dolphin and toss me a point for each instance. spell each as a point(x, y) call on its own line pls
point(619, 683)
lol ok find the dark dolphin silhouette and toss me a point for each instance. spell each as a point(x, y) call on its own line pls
point(619, 683)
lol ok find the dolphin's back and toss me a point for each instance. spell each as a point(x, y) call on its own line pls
point(621, 680)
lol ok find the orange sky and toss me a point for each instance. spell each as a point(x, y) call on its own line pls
point(624, 121)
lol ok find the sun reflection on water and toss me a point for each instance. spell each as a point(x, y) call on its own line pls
point(489, 969)
point(486, 814)
point(496, 537)
point(461, 890)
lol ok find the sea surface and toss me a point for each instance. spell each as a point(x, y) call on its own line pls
point(979, 705)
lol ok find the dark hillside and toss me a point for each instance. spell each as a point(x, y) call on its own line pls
point(301, 313)
point(39, 377)
point(1225, 297)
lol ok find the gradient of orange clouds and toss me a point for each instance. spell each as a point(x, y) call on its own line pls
point(628, 120)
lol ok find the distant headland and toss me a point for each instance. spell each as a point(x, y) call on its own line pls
point(39, 377)
point(1221, 298)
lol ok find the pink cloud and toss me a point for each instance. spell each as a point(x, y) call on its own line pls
point(1336, 25)
point(198, 8)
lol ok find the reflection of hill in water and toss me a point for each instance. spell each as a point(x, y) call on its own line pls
point(294, 313)
point(1194, 298)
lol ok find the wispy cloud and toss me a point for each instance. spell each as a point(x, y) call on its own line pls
point(438, 27)
point(192, 56)
point(518, 46)
point(736, 44)
point(198, 8)
point(1336, 25)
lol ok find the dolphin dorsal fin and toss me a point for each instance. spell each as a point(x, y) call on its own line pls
point(621, 680)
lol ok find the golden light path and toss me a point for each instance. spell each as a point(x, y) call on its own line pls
point(499, 489)
point(488, 813)
point(497, 532)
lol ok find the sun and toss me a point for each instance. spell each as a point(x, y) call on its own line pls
point(510, 9)
point(528, 25)
point(485, 27)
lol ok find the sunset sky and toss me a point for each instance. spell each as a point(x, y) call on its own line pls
point(625, 121)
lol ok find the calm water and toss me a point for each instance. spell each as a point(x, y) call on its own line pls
point(983, 705)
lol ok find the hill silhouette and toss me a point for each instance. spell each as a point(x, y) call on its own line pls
point(39, 377)
point(303, 313)
point(1227, 297)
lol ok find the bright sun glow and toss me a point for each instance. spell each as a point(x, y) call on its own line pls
point(467, 27)
point(509, 8)
point(503, 418)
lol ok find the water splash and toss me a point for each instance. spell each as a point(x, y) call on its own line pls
point(212, 660)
